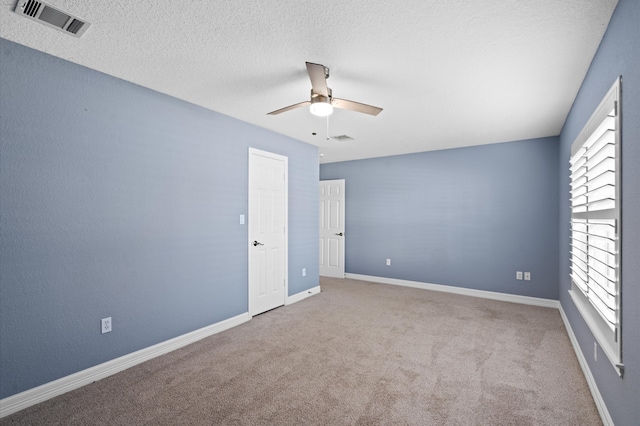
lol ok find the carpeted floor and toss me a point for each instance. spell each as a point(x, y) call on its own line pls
point(358, 353)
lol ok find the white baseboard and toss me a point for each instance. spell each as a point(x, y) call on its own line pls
point(302, 295)
point(525, 300)
point(49, 390)
point(547, 303)
point(595, 392)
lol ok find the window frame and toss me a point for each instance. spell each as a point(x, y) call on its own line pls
point(609, 340)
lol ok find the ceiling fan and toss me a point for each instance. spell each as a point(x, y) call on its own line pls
point(322, 101)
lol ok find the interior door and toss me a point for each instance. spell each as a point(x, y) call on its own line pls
point(332, 230)
point(268, 204)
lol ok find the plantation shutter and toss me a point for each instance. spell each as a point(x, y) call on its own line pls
point(595, 212)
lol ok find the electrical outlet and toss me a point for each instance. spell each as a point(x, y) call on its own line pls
point(105, 325)
point(388, 262)
point(527, 276)
point(304, 272)
point(518, 275)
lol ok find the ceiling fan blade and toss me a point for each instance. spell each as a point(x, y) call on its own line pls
point(355, 106)
point(318, 79)
point(288, 108)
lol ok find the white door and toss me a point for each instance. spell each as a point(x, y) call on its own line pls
point(332, 233)
point(268, 204)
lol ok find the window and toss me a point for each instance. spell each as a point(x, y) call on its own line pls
point(595, 225)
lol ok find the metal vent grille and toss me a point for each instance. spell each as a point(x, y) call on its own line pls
point(32, 8)
point(75, 26)
point(50, 16)
point(342, 138)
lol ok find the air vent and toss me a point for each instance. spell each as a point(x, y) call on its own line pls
point(342, 138)
point(75, 26)
point(46, 14)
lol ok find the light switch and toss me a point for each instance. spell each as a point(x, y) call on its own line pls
point(241, 219)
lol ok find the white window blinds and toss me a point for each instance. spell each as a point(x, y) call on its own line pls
point(595, 222)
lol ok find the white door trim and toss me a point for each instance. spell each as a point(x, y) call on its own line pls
point(332, 226)
point(252, 152)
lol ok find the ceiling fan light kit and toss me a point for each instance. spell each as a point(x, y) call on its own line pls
point(322, 101)
point(321, 106)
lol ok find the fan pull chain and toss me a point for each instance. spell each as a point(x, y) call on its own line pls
point(327, 127)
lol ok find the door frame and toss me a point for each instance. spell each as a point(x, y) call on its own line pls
point(257, 152)
point(343, 253)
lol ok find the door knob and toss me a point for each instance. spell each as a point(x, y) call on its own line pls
point(255, 243)
point(340, 234)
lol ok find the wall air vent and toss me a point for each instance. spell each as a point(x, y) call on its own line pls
point(46, 14)
point(342, 138)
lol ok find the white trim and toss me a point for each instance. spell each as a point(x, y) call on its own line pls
point(513, 298)
point(65, 384)
point(325, 227)
point(600, 330)
point(598, 318)
point(547, 303)
point(257, 152)
point(302, 295)
point(593, 387)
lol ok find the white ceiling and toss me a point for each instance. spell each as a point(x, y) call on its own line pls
point(447, 73)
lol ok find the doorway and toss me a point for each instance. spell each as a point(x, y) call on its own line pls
point(332, 228)
point(268, 229)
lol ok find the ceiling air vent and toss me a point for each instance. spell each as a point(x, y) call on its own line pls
point(52, 17)
point(342, 138)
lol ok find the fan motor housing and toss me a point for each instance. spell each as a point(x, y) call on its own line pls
point(317, 97)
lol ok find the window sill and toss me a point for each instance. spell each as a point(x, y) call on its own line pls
point(602, 333)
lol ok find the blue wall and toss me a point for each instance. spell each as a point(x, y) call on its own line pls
point(619, 54)
point(120, 201)
point(466, 217)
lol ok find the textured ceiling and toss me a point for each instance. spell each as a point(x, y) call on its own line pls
point(447, 73)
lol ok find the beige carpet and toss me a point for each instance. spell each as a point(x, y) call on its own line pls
point(357, 353)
